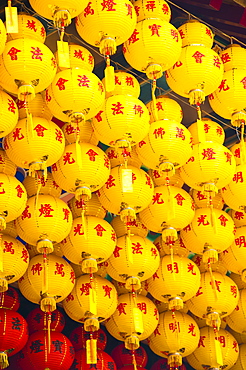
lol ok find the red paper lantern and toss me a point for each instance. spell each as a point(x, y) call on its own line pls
point(79, 336)
point(162, 365)
point(35, 355)
point(122, 356)
point(10, 299)
point(38, 320)
point(104, 361)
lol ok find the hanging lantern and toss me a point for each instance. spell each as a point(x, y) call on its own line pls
point(202, 322)
point(28, 27)
point(164, 108)
point(92, 207)
point(214, 299)
point(42, 185)
point(122, 289)
point(238, 280)
point(36, 107)
point(171, 209)
point(10, 229)
point(162, 365)
point(36, 353)
point(202, 200)
point(3, 37)
point(174, 337)
point(212, 131)
point(209, 233)
point(214, 350)
point(38, 320)
point(234, 192)
point(13, 335)
point(6, 165)
point(239, 217)
point(117, 157)
point(104, 361)
point(8, 113)
point(211, 167)
point(34, 225)
point(237, 319)
point(164, 306)
point(80, 180)
point(198, 61)
point(10, 299)
point(124, 84)
point(126, 192)
point(177, 247)
point(218, 266)
point(90, 241)
point(176, 280)
point(133, 320)
point(55, 109)
point(241, 361)
point(238, 153)
point(79, 337)
point(47, 288)
point(123, 357)
point(14, 261)
point(166, 147)
point(101, 269)
point(136, 227)
point(27, 67)
point(86, 133)
point(159, 180)
point(79, 57)
point(133, 261)
point(159, 9)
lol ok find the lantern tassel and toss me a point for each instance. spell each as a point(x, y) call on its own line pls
point(92, 297)
point(174, 360)
point(3, 360)
point(47, 303)
point(61, 17)
point(48, 329)
point(196, 97)
point(242, 146)
point(109, 76)
point(212, 215)
point(91, 350)
point(107, 46)
point(45, 277)
point(134, 363)
point(155, 113)
point(62, 48)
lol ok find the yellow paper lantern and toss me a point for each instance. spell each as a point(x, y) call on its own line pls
point(91, 302)
point(214, 350)
point(240, 338)
point(122, 119)
point(176, 246)
point(158, 9)
point(107, 24)
point(165, 108)
point(126, 197)
point(159, 180)
point(92, 207)
point(164, 306)
point(86, 133)
point(77, 179)
point(153, 47)
point(239, 217)
point(125, 323)
point(14, 261)
point(202, 322)
point(241, 361)
point(218, 266)
point(37, 107)
point(233, 57)
point(237, 151)
point(176, 280)
point(166, 146)
point(10, 230)
point(171, 334)
point(41, 185)
point(33, 251)
point(234, 192)
point(121, 287)
point(78, 93)
point(60, 281)
point(6, 165)
point(203, 201)
point(212, 131)
point(117, 157)
point(195, 32)
point(171, 210)
point(13, 198)
point(37, 147)
point(208, 232)
point(54, 107)
point(214, 304)
point(124, 84)
point(27, 67)
point(210, 167)
point(34, 225)
point(3, 37)
point(101, 269)
point(237, 319)
point(8, 115)
point(90, 241)
point(136, 227)
point(79, 57)
point(28, 27)
point(133, 260)
point(238, 280)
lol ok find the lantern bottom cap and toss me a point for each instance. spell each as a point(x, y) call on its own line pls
point(3, 285)
point(174, 359)
point(91, 324)
point(45, 246)
point(83, 193)
point(132, 342)
point(26, 92)
point(127, 214)
point(169, 235)
point(238, 118)
point(62, 18)
point(89, 265)
point(175, 303)
point(166, 168)
point(133, 282)
point(107, 45)
point(210, 255)
point(47, 304)
point(3, 360)
point(154, 71)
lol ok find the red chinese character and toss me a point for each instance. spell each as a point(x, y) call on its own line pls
point(31, 25)
point(67, 158)
point(148, 181)
point(179, 199)
point(59, 135)
point(206, 127)
point(159, 106)
point(99, 230)
point(191, 159)
point(72, 276)
point(154, 252)
point(201, 341)
point(239, 215)
point(201, 220)
point(90, 59)
point(225, 57)
point(26, 213)
point(174, 326)
point(198, 260)
point(129, 10)
point(208, 153)
point(110, 182)
point(40, 130)
point(159, 132)
point(66, 214)
point(8, 247)
point(154, 29)
point(235, 345)
point(177, 64)
point(217, 62)
point(54, 167)
point(150, 5)
point(156, 199)
point(109, 5)
point(117, 108)
point(25, 255)
point(142, 307)
point(117, 80)
point(46, 210)
point(173, 267)
point(17, 134)
point(136, 248)
point(121, 308)
point(133, 37)
point(91, 155)
point(217, 285)
point(221, 339)
point(36, 268)
point(238, 176)
point(200, 196)
point(244, 82)
point(113, 236)
point(106, 161)
point(138, 110)
point(223, 86)
point(240, 241)
point(209, 33)
point(234, 291)
point(223, 220)
point(83, 81)
point(137, 8)
point(12, 106)
point(187, 228)
point(156, 331)
point(2, 190)
point(219, 131)
point(181, 33)
point(20, 191)
point(88, 11)
point(42, 32)
point(191, 268)
point(155, 276)
point(59, 269)
point(116, 251)
point(175, 35)
point(165, 9)
point(180, 133)
point(70, 297)
point(36, 53)
point(191, 330)
point(61, 83)
point(141, 143)
point(107, 290)
point(85, 288)
point(13, 53)
point(112, 154)
point(78, 230)
point(98, 116)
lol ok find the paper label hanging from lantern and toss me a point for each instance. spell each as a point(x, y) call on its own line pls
point(91, 351)
point(219, 357)
point(11, 19)
point(109, 78)
point(137, 320)
point(63, 54)
point(126, 174)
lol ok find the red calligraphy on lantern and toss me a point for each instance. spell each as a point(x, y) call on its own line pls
point(26, 213)
point(59, 269)
point(142, 306)
point(138, 110)
point(59, 135)
point(155, 276)
point(154, 252)
point(217, 285)
point(217, 62)
point(223, 86)
point(25, 255)
point(239, 215)
point(137, 248)
point(99, 229)
point(148, 181)
point(108, 5)
point(40, 130)
point(180, 133)
point(17, 134)
point(36, 53)
point(37, 268)
point(117, 80)
point(54, 167)
point(179, 199)
point(173, 267)
point(198, 260)
point(113, 236)
point(12, 107)
point(150, 5)
point(221, 339)
point(159, 132)
point(181, 33)
point(187, 228)
point(133, 37)
point(173, 326)
point(137, 8)
point(206, 127)
point(201, 220)
point(157, 199)
point(244, 82)
point(191, 268)
point(199, 292)
point(83, 81)
point(20, 191)
point(46, 210)
point(117, 108)
point(209, 33)
point(106, 162)
point(78, 230)
point(156, 331)
point(67, 158)
point(240, 241)
point(238, 177)
point(2, 191)
point(175, 35)
point(200, 196)
point(155, 29)
point(61, 83)
point(66, 214)
point(225, 57)
point(177, 64)
point(107, 290)
point(85, 288)
point(112, 154)
point(234, 291)
point(110, 182)
point(165, 9)
point(90, 59)
point(129, 10)
point(31, 25)
point(198, 56)
point(201, 341)
point(72, 276)
point(121, 308)
point(191, 329)
point(98, 116)
point(13, 53)
point(208, 154)
point(116, 251)
point(92, 154)
point(223, 220)
point(88, 10)
point(141, 143)
point(235, 346)
point(70, 297)
point(8, 247)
